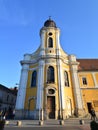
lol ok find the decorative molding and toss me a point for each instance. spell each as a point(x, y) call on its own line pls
point(35, 68)
point(94, 78)
point(48, 88)
point(90, 88)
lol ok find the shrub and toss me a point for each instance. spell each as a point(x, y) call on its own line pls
point(94, 125)
point(2, 123)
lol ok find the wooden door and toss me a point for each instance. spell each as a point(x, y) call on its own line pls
point(51, 107)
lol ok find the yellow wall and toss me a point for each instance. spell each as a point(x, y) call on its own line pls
point(89, 77)
point(89, 92)
point(30, 91)
point(69, 94)
point(90, 95)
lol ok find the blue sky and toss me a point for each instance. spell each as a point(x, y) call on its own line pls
point(20, 23)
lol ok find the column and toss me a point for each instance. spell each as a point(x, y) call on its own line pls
point(22, 87)
point(40, 89)
point(58, 41)
point(61, 87)
point(62, 84)
point(76, 86)
point(60, 74)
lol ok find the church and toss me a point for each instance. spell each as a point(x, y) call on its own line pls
point(54, 84)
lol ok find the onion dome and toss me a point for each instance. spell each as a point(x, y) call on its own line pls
point(50, 23)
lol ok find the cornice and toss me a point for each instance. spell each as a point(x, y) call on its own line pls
point(44, 57)
point(94, 88)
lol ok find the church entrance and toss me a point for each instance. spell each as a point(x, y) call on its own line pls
point(51, 107)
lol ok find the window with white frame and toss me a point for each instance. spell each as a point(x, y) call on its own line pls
point(84, 80)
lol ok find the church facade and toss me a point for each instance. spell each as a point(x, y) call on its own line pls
point(53, 84)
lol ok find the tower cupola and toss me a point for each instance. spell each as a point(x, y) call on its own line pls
point(50, 23)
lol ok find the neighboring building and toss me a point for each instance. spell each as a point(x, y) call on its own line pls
point(7, 99)
point(54, 84)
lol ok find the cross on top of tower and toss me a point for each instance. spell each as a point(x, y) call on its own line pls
point(49, 17)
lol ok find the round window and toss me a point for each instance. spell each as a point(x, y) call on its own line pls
point(50, 34)
point(51, 91)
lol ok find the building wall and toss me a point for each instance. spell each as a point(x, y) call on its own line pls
point(69, 100)
point(90, 90)
point(7, 101)
point(31, 91)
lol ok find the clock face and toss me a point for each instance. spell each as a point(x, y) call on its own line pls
point(51, 91)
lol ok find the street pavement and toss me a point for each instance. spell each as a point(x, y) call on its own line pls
point(69, 124)
point(47, 128)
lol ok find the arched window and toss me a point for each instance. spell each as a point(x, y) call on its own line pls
point(50, 42)
point(33, 80)
point(50, 74)
point(66, 78)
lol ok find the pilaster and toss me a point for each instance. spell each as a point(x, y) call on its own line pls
point(58, 42)
point(39, 104)
point(42, 40)
point(76, 86)
point(22, 85)
point(94, 78)
point(61, 87)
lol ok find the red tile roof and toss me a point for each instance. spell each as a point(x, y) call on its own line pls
point(88, 64)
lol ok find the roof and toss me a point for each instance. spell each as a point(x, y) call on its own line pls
point(88, 64)
point(50, 23)
point(2, 87)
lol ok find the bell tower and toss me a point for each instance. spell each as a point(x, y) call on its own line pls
point(50, 43)
point(50, 53)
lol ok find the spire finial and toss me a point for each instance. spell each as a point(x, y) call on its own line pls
point(49, 17)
